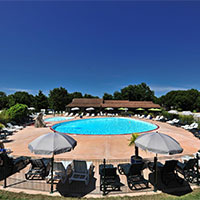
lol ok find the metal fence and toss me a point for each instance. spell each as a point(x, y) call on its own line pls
point(79, 189)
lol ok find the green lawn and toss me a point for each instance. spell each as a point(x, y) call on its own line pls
point(4, 195)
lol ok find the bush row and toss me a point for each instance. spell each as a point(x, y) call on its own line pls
point(17, 114)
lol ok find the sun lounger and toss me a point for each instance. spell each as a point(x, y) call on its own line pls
point(87, 115)
point(148, 117)
point(9, 165)
point(15, 126)
point(134, 175)
point(66, 114)
point(191, 126)
point(109, 180)
point(187, 169)
point(59, 173)
point(71, 114)
point(39, 169)
point(76, 115)
point(80, 171)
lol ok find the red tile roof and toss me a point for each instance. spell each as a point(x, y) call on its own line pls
point(87, 102)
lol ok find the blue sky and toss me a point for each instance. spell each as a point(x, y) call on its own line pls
point(99, 46)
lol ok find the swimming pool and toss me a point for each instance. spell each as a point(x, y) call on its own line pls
point(104, 126)
point(55, 119)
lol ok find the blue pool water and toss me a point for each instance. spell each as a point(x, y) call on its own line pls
point(55, 119)
point(104, 126)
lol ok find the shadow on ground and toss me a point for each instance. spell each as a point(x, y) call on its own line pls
point(76, 188)
point(177, 186)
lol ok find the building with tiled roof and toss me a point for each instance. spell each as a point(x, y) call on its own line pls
point(100, 103)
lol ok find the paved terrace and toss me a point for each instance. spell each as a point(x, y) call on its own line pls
point(99, 147)
point(93, 148)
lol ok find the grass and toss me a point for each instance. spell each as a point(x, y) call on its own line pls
point(5, 195)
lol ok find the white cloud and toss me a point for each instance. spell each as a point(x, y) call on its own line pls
point(166, 88)
point(19, 89)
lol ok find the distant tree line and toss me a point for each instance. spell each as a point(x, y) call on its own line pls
point(58, 98)
point(181, 100)
point(140, 92)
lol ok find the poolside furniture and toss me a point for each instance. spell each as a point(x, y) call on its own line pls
point(134, 175)
point(156, 118)
point(39, 169)
point(109, 180)
point(9, 130)
point(167, 171)
point(141, 117)
point(66, 114)
point(14, 126)
point(76, 115)
point(187, 169)
point(10, 165)
point(194, 125)
point(87, 115)
point(3, 135)
point(148, 117)
point(71, 114)
point(80, 171)
point(92, 115)
point(174, 121)
point(59, 173)
point(82, 114)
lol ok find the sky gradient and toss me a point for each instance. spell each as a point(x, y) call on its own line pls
point(99, 46)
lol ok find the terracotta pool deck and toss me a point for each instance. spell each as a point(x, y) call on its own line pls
point(99, 147)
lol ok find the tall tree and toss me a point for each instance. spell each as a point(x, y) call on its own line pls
point(3, 100)
point(59, 98)
point(181, 99)
point(117, 95)
point(21, 98)
point(89, 96)
point(41, 101)
point(140, 92)
point(107, 96)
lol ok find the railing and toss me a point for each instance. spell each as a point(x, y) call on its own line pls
point(78, 188)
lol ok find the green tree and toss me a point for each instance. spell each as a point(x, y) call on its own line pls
point(4, 117)
point(76, 95)
point(59, 98)
point(3, 100)
point(107, 96)
point(140, 92)
point(117, 95)
point(11, 100)
point(89, 96)
point(181, 100)
point(21, 98)
point(18, 113)
point(41, 101)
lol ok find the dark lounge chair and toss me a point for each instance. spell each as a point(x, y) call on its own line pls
point(10, 165)
point(39, 169)
point(187, 169)
point(109, 180)
point(134, 175)
point(167, 172)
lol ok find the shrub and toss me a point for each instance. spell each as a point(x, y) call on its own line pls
point(1, 126)
point(4, 117)
point(186, 119)
point(18, 113)
point(169, 116)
